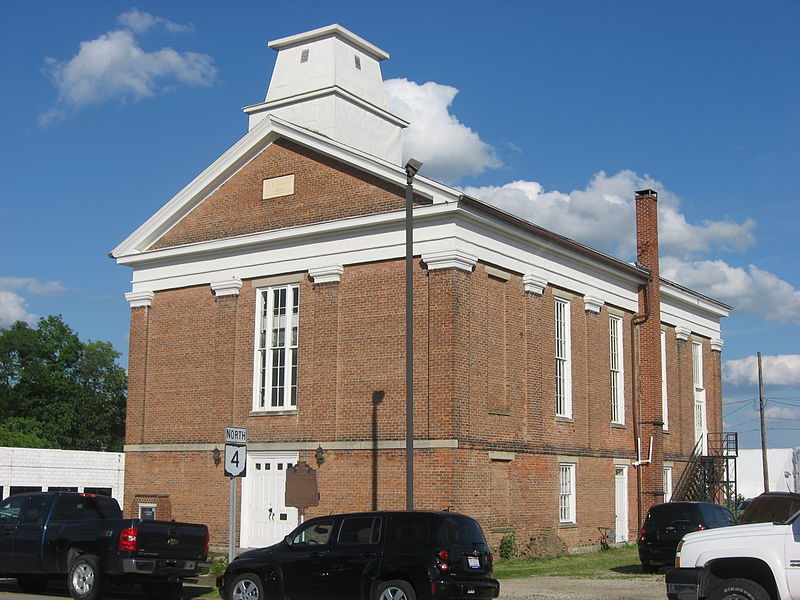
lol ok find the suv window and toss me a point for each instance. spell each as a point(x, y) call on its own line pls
point(409, 531)
point(315, 533)
point(463, 530)
point(716, 516)
point(10, 509)
point(360, 530)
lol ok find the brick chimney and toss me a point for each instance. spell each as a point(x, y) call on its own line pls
point(648, 368)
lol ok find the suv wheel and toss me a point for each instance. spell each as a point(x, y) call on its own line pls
point(246, 586)
point(396, 589)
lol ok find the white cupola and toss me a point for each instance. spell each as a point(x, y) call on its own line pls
point(329, 80)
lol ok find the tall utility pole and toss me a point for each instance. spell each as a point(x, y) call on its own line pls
point(761, 402)
point(411, 169)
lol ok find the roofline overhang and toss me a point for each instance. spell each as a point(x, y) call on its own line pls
point(559, 240)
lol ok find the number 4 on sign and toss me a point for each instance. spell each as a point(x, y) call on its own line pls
point(235, 460)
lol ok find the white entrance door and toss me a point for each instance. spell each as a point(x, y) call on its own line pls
point(621, 504)
point(265, 518)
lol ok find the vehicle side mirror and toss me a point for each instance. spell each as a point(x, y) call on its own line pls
point(288, 540)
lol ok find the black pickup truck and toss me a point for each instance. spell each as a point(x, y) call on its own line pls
point(52, 534)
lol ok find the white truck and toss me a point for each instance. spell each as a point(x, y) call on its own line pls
point(744, 562)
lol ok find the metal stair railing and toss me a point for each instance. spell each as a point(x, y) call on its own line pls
point(710, 477)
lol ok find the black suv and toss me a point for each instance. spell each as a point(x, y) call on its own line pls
point(771, 507)
point(410, 555)
point(667, 523)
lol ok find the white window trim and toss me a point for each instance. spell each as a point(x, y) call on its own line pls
point(697, 365)
point(667, 484)
point(617, 370)
point(261, 311)
point(563, 358)
point(664, 388)
point(566, 491)
point(146, 505)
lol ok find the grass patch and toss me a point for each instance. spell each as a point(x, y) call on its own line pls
point(615, 563)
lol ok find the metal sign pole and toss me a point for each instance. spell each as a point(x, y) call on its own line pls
point(232, 522)
point(235, 466)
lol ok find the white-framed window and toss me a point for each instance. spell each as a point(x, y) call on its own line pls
point(147, 512)
point(697, 365)
point(664, 394)
point(563, 359)
point(566, 496)
point(667, 484)
point(617, 371)
point(275, 386)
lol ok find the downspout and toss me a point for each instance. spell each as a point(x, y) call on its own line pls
point(636, 321)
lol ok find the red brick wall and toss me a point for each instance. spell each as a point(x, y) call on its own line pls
point(324, 190)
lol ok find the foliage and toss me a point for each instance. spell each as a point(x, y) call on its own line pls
point(620, 562)
point(218, 565)
point(58, 391)
point(508, 545)
point(19, 432)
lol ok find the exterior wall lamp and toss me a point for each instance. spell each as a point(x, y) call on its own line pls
point(319, 456)
point(215, 453)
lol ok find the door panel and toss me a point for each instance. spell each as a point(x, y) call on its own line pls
point(265, 517)
point(621, 504)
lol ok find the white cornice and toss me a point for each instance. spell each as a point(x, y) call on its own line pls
point(139, 299)
point(330, 30)
point(682, 333)
point(717, 344)
point(333, 90)
point(228, 287)
point(449, 259)
point(592, 304)
point(534, 284)
point(330, 274)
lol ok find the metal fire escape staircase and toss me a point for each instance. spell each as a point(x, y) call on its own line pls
point(710, 477)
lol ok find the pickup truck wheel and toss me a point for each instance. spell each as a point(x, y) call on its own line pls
point(166, 590)
point(246, 586)
point(85, 578)
point(396, 589)
point(738, 589)
point(32, 585)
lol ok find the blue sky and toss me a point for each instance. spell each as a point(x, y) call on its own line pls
point(556, 111)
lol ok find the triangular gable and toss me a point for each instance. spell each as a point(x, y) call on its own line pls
point(245, 151)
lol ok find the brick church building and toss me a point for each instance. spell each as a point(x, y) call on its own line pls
point(556, 389)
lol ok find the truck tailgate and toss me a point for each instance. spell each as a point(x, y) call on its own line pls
point(168, 539)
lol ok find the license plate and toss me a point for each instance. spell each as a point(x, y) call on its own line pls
point(473, 562)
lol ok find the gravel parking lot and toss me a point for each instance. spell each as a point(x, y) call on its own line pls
point(532, 588)
point(567, 588)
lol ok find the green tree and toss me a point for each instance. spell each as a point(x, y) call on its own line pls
point(73, 390)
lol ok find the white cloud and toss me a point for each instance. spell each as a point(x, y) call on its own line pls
point(114, 66)
point(448, 149)
point(750, 290)
point(46, 288)
point(781, 412)
point(13, 308)
point(602, 215)
point(781, 370)
point(141, 22)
